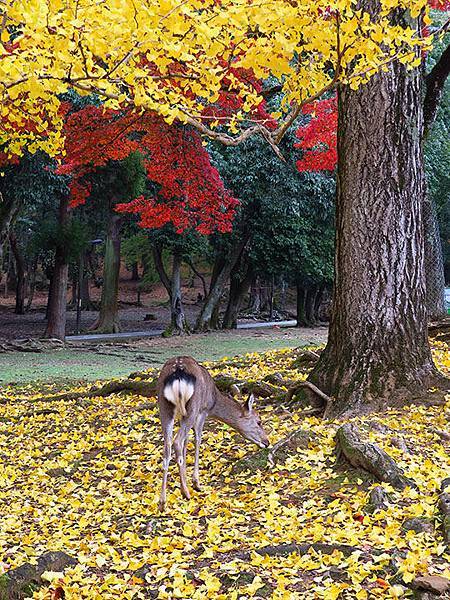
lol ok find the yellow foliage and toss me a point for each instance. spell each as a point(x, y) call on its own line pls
point(173, 56)
point(85, 479)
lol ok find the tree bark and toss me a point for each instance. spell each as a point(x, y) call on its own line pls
point(57, 301)
point(32, 285)
point(134, 272)
point(178, 323)
point(378, 353)
point(204, 319)
point(20, 274)
point(239, 286)
point(434, 260)
point(108, 321)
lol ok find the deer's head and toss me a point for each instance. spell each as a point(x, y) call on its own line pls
point(250, 424)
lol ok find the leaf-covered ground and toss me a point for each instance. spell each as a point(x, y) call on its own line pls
point(84, 476)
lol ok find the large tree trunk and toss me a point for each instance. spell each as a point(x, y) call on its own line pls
point(204, 319)
point(20, 274)
point(108, 320)
point(57, 302)
point(377, 353)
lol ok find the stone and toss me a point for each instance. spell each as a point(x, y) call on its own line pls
point(419, 525)
point(433, 583)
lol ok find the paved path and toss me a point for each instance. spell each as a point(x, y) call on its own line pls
point(128, 335)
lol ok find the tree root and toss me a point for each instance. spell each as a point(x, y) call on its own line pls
point(19, 583)
point(278, 453)
point(30, 345)
point(228, 384)
point(143, 388)
point(307, 384)
point(370, 457)
point(305, 548)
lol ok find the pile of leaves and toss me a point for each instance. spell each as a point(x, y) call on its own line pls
point(83, 477)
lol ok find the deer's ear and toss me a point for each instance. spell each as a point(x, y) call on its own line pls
point(249, 403)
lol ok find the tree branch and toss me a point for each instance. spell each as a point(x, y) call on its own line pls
point(434, 83)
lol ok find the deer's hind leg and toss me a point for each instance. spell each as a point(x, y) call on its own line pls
point(167, 415)
point(180, 446)
point(198, 430)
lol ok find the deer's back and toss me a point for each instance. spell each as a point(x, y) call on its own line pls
point(188, 368)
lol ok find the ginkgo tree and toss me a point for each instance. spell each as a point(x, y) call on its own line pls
point(176, 58)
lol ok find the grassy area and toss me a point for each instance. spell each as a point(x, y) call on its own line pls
point(89, 363)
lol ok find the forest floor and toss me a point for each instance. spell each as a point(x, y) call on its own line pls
point(88, 361)
point(82, 475)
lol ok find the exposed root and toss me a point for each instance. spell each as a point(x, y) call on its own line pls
point(307, 384)
point(143, 388)
point(17, 583)
point(370, 457)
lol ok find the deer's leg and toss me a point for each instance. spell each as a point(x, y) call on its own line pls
point(198, 430)
point(167, 421)
point(180, 445)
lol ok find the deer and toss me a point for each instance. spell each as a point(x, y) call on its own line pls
point(187, 392)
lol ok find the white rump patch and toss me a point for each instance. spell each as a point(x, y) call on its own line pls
point(179, 393)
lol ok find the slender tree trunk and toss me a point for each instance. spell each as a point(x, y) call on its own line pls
point(254, 303)
point(434, 261)
point(20, 274)
point(378, 353)
point(239, 286)
point(302, 294)
point(204, 319)
point(57, 301)
point(177, 316)
point(32, 285)
point(108, 320)
point(318, 301)
point(85, 293)
point(310, 305)
point(178, 324)
point(134, 272)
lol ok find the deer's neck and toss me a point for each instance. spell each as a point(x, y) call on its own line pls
point(227, 410)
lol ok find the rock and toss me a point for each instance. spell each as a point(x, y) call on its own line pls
point(21, 582)
point(432, 583)
point(444, 508)
point(400, 443)
point(419, 525)
point(378, 499)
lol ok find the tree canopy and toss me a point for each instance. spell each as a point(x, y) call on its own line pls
point(178, 58)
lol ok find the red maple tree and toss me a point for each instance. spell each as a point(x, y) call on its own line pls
point(318, 138)
point(190, 193)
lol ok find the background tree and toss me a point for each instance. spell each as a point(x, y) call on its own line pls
point(287, 215)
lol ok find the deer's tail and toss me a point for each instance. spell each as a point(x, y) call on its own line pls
point(178, 389)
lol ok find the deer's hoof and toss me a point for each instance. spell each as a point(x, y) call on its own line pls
point(196, 485)
point(186, 494)
point(161, 505)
